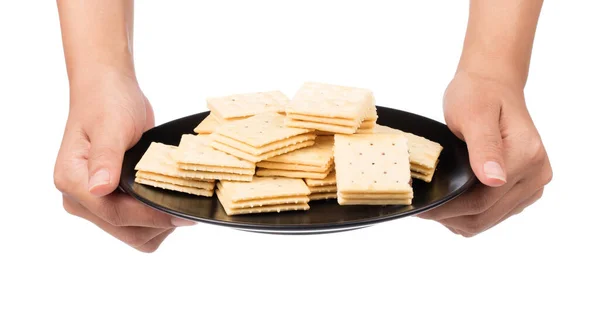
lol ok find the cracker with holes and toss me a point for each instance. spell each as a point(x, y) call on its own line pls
point(368, 165)
point(241, 106)
point(322, 189)
point(424, 154)
point(260, 137)
point(208, 125)
point(195, 154)
point(263, 194)
point(366, 127)
point(330, 108)
point(330, 180)
point(322, 192)
point(293, 174)
point(315, 162)
point(157, 168)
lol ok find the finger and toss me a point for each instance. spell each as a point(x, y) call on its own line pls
point(120, 209)
point(70, 170)
point(475, 201)
point(475, 224)
point(484, 143)
point(452, 230)
point(107, 147)
point(133, 236)
point(515, 211)
point(155, 242)
point(528, 202)
point(149, 115)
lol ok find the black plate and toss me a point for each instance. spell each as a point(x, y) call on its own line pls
point(453, 177)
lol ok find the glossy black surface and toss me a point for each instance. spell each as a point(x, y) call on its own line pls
point(452, 177)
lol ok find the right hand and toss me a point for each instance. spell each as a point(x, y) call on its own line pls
point(107, 116)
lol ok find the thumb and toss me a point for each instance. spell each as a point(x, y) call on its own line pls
point(105, 158)
point(484, 143)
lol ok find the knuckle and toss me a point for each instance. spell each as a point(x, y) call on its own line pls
point(110, 214)
point(466, 234)
point(541, 192)
point(538, 194)
point(473, 225)
point(149, 247)
point(69, 207)
point(547, 178)
point(478, 204)
point(134, 239)
point(61, 182)
point(535, 151)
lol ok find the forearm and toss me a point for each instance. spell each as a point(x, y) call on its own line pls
point(499, 39)
point(97, 36)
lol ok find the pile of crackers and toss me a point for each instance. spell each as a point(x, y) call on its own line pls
point(262, 152)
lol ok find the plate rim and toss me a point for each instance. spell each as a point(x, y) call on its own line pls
point(324, 227)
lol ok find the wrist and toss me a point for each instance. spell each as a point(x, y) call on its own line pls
point(90, 75)
point(500, 68)
point(92, 66)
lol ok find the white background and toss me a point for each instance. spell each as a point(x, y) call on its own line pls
point(406, 53)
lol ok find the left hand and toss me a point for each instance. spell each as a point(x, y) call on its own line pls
point(505, 151)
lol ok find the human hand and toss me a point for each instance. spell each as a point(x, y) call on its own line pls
point(505, 151)
point(107, 116)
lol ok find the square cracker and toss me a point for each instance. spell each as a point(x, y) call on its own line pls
point(320, 154)
point(324, 127)
point(216, 169)
point(159, 159)
point(196, 150)
point(322, 196)
point(364, 131)
point(327, 181)
point(174, 187)
point(294, 167)
point(193, 183)
point(423, 170)
point(264, 187)
point(422, 151)
point(371, 114)
point(208, 125)
point(259, 130)
point(247, 104)
point(343, 201)
point(332, 101)
point(263, 201)
point(292, 174)
point(426, 176)
point(372, 163)
point(324, 133)
point(323, 189)
point(367, 123)
point(252, 158)
point(216, 175)
point(383, 196)
point(264, 149)
point(325, 120)
point(251, 210)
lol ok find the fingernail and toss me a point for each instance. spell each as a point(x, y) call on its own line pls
point(101, 178)
point(493, 170)
point(181, 222)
